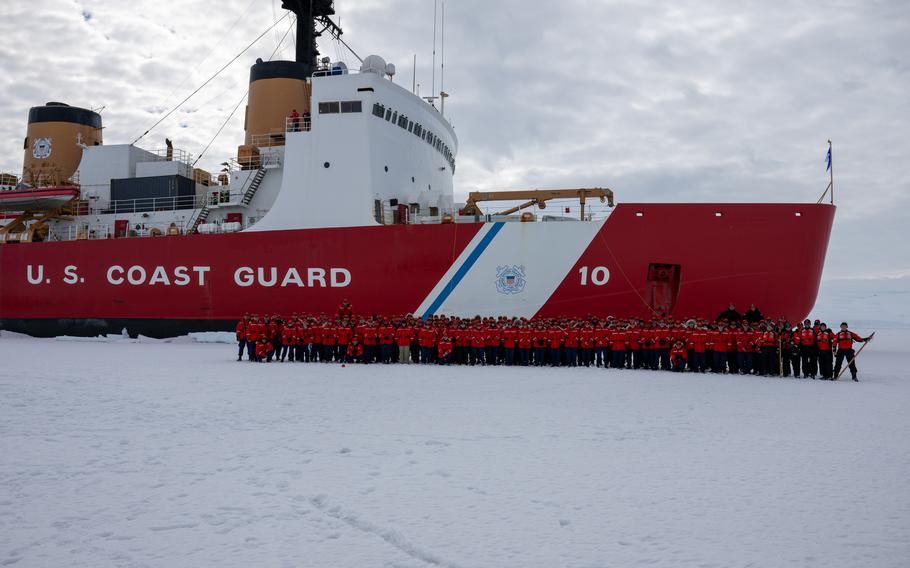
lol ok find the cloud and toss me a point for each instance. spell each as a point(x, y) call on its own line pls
point(691, 100)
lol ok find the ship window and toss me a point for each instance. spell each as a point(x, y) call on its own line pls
point(403, 121)
point(351, 106)
point(378, 110)
point(410, 126)
point(329, 108)
point(388, 114)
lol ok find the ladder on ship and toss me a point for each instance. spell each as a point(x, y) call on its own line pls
point(200, 219)
point(248, 194)
point(253, 188)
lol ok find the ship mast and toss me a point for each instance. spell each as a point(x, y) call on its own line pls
point(310, 13)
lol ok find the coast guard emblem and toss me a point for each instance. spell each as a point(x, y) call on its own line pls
point(41, 149)
point(510, 279)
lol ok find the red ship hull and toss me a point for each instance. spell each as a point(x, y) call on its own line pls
point(643, 260)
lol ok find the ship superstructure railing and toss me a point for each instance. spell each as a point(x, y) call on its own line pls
point(99, 231)
point(268, 161)
point(277, 137)
point(170, 155)
point(153, 204)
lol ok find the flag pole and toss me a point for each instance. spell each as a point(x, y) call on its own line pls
point(831, 169)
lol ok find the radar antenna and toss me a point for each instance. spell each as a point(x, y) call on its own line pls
point(310, 13)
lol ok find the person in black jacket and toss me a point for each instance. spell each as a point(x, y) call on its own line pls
point(730, 314)
point(753, 314)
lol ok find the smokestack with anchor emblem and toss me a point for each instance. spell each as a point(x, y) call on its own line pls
point(56, 135)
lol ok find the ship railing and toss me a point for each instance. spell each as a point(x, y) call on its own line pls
point(267, 160)
point(171, 155)
point(277, 137)
point(101, 231)
point(303, 123)
point(149, 205)
point(334, 72)
point(8, 180)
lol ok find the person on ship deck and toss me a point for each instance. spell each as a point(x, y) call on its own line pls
point(730, 314)
point(294, 119)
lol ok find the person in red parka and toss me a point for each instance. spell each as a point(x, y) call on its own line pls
point(354, 352)
point(509, 344)
point(240, 333)
point(824, 342)
point(571, 339)
point(525, 343)
point(586, 345)
point(264, 350)
point(618, 348)
point(288, 331)
point(540, 341)
point(345, 311)
point(697, 346)
point(404, 335)
point(493, 342)
point(370, 338)
point(444, 350)
point(255, 331)
point(329, 342)
point(678, 357)
point(845, 339)
point(386, 342)
point(808, 350)
point(602, 345)
point(426, 338)
point(478, 345)
point(555, 336)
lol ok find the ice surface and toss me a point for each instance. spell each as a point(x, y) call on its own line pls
point(170, 454)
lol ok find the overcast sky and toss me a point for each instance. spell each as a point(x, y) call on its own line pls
point(689, 100)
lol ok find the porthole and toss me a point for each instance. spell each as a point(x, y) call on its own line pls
point(326, 165)
point(387, 168)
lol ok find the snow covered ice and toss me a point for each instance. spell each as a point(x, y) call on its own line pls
point(149, 453)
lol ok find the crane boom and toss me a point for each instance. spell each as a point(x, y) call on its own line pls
point(537, 197)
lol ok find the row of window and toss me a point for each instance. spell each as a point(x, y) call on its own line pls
point(335, 107)
point(416, 129)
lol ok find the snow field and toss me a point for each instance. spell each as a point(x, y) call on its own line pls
point(148, 453)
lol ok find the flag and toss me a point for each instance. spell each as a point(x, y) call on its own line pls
point(828, 159)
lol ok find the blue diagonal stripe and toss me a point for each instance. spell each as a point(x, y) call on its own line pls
point(463, 270)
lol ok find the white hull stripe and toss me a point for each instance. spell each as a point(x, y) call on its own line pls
point(464, 265)
point(513, 274)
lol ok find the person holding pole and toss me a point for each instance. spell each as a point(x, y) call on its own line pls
point(845, 339)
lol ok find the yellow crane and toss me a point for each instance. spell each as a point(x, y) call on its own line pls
point(537, 197)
